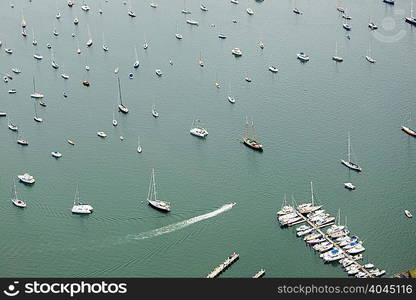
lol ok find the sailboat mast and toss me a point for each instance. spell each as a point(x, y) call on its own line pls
point(154, 184)
point(34, 88)
point(36, 114)
point(246, 127)
point(252, 129)
point(349, 147)
point(119, 90)
point(313, 200)
point(150, 188)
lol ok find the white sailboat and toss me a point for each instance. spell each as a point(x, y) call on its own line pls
point(136, 63)
point(139, 147)
point(154, 111)
point(36, 118)
point(34, 41)
point(89, 42)
point(230, 98)
point(121, 106)
point(152, 196)
point(198, 130)
point(105, 47)
point(336, 57)
point(35, 94)
point(178, 35)
point(53, 62)
point(348, 162)
point(408, 130)
point(114, 120)
point(368, 57)
point(15, 200)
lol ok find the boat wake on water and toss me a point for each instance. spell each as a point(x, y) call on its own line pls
point(180, 225)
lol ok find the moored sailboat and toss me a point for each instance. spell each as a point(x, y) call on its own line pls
point(250, 141)
point(348, 163)
point(152, 196)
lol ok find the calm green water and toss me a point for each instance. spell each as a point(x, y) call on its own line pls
point(302, 116)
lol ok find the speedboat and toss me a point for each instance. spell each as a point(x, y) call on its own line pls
point(409, 131)
point(38, 56)
point(302, 56)
point(54, 65)
point(370, 59)
point(26, 178)
point(22, 142)
point(297, 11)
point(154, 112)
point(273, 69)
point(159, 72)
point(192, 22)
point(12, 127)
point(349, 185)
point(408, 213)
point(372, 26)
point(231, 99)
point(101, 134)
point(56, 154)
point(250, 11)
point(346, 26)
point(123, 108)
point(236, 52)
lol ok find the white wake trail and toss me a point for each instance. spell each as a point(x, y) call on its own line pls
point(181, 225)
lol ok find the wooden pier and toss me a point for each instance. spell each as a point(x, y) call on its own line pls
point(260, 274)
point(222, 267)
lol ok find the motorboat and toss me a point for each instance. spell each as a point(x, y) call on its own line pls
point(64, 76)
point(391, 2)
point(54, 65)
point(248, 79)
point(22, 142)
point(131, 13)
point(56, 154)
point(8, 50)
point(302, 57)
point(349, 185)
point(37, 56)
point(332, 255)
point(355, 250)
point(86, 83)
point(231, 99)
point(372, 26)
point(12, 127)
point(234, 1)
point(71, 142)
point(12, 91)
point(178, 36)
point(3, 114)
point(154, 5)
point(261, 45)
point(76, 21)
point(89, 43)
point(85, 7)
point(303, 227)
point(408, 213)
point(370, 59)
point(222, 36)
point(26, 178)
point(159, 72)
point(347, 26)
point(273, 69)
point(101, 134)
point(16, 70)
point(192, 22)
point(297, 11)
point(154, 112)
point(203, 7)
point(409, 131)
point(236, 52)
point(250, 11)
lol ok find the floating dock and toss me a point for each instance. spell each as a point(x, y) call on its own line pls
point(222, 267)
point(260, 274)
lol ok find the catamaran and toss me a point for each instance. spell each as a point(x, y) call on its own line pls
point(80, 208)
point(152, 196)
point(348, 162)
point(250, 141)
point(15, 200)
point(198, 130)
point(121, 106)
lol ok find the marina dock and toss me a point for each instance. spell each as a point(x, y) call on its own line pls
point(225, 265)
point(336, 246)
